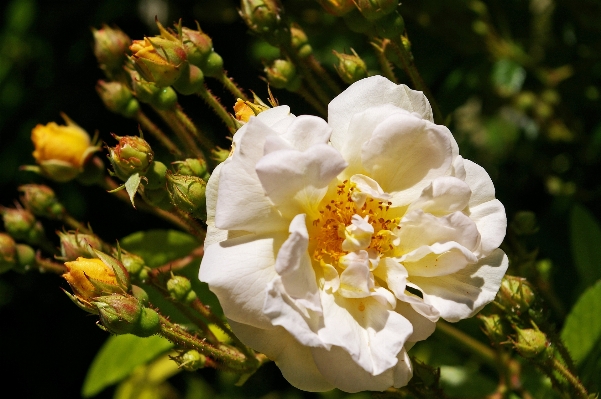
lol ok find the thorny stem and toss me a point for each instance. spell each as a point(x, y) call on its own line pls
point(320, 71)
point(384, 63)
point(481, 350)
point(204, 141)
point(229, 84)
point(75, 224)
point(307, 76)
point(230, 358)
point(171, 118)
point(310, 98)
point(572, 380)
point(47, 265)
point(411, 70)
point(218, 108)
point(155, 131)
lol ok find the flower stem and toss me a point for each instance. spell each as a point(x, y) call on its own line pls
point(411, 70)
point(481, 350)
point(155, 131)
point(572, 379)
point(46, 265)
point(174, 122)
point(218, 108)
point(310, 98)
point(320, 71)
point(229, 84)
point(384, 63)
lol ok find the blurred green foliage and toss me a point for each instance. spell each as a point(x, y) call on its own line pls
point(519, 83)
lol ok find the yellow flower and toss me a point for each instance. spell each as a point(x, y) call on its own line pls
point(82, 270)
point(245, 109)
point(61, 151)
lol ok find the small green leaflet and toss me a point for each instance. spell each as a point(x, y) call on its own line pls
point(131, 186)
point(118, 357)
point(585, 235)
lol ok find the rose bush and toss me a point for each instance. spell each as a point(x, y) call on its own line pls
point(333, 247)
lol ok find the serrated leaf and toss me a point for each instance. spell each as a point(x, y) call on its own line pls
point(131, 186)
point(157, 247)
point(585, 235)
point(118, 357)
point(582, 329)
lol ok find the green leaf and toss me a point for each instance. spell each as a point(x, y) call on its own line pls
point(118, 357)
point(582, 329)
point(157, 247)
point(508, 76)
point(585, 234)
point(131, 186)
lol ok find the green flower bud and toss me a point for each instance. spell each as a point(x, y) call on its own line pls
point(8, 253)
point(357, 23)
point(192, 167)
point(140, 294)
point(524, 223)
point(376, 9)
point(149, 93)
point(111, 46)
point(155, 175)
point(220, 154)
point(191, 80)
point(281, 74)
point(75, 245)
point(159, 59)
point(22, 225)
point(121, 314)
point(264, 17)
point(134, 264)
point(117, 98)
point(530, 342)
point(180, 289)
point(300, 42)
point(516, 294)
point(494, 327)
point(191, 360)
point(25, 257)
point(351, 68)
point(198, 45)
point(213, 66)
point(131, 155)
point(41, 201)
point(391, 26)
point(188, 194)
point(337, 7)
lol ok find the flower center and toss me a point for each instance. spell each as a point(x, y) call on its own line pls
point(343, 227)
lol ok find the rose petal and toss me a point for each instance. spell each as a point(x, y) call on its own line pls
point(483, 190)
point(438, 259)
point(307, 131)
point(405, 153)
point(297, 181)
point(442, 196)
point(294, 359)
point(461, 295)
point(230, 265)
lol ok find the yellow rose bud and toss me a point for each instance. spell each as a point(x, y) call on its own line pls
point(80, 272)
point(61, 151)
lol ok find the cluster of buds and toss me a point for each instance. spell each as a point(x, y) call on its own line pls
point(265, 18)
point(118, 98)
point(14, 256)
point(282, 74)
point(180, 289)
point(101, 286)
point(61, 151)
point(111, 46)
point(41, 201)
point(22, 225)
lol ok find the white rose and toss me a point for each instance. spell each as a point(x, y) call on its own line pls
point(316, 231)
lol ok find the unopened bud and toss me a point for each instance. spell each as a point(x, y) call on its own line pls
point(149, 93)
point(134, 264)
point(111, 46)
point(180, 289)
point(192, 167)
point(516, 294)
point(220, 154)
point(22, 225)
point(117, 98)
point(281, 74)
point(25, 257)
point(8, 253)
point(524, 223)
point(159, 59)
point(351, 68)
point(155, 175)
point(131, 155)
point(188, 193)
point(300, 42)
point(41, 201)
point(191, 80)
point(264, 17)
point(494, 327)
point(213, 67)
point(191, 360)
point(90, 278)
point(198, 45)
point(376, 9)
point(75, 245)
point(337, 7)
point(121, 314)
point(530, 342)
